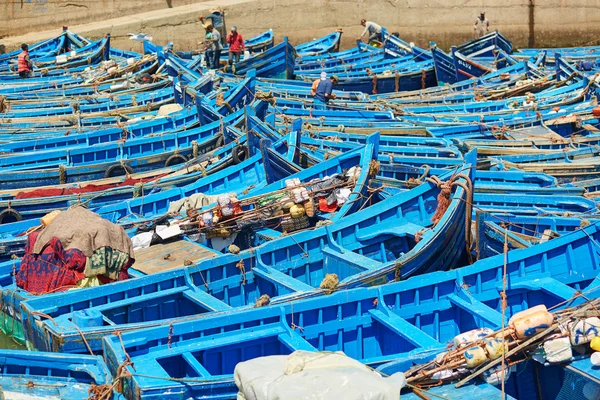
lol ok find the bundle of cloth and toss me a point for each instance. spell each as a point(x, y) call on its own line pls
point(77, 248)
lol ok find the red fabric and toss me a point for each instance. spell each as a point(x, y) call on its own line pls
point(22, 62)
point(236, 42)
point(324, 207)
point(54, 270)
point(50, 192)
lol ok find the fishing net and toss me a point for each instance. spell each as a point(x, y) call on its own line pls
point(578, 387)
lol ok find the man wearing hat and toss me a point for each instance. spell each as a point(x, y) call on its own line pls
point(482, 25)
point(324, 92)
point(374, 30)
point(216, 18)
point(236, 45)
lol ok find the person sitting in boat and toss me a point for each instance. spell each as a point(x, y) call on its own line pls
point(375, 31)
point(215, 39)
point(324, 92)
point(236, 45)
point(24, 63)
point(481, 26)
point(315, 84)
point(585, 66)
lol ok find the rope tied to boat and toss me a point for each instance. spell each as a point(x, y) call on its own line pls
point(397, 270)
point(374, 167)
point(329, 283)
point(100, 392)
point(262, 301)
point(443, 198)
point(194, 148)
point(423, 79)
point(374, 84)
point(62, 174)
point(266, 96)
point(242, 267)
point(2, 104)
point(138, 188)
point(396, 81)
point(444, 201)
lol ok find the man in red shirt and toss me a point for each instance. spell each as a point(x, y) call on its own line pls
point(24, 64)
point(236, 45)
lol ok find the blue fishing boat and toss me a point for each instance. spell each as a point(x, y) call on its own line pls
point(359, 248)
point(277, 62)
point(521, 231)
point(393, 322)
point(35, 375)
point(326, 44)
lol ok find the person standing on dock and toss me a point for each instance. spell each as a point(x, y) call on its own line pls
point(24, 63)
point(324, 93)
point(375, 31)
point(215, 38)
point(482, 25)
point(236, 45)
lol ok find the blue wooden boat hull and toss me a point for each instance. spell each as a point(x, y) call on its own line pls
point(26, 375)
point(355, 253)
point(377, 325)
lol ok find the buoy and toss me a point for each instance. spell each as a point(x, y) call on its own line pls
point(493, 347)
point(471, 336)
point(595, 343)
point(48, 218)
point(584, 330)
point(530, 322)
point(475, 356)
point(297, 211)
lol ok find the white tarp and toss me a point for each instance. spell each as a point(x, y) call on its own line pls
point(313, 376)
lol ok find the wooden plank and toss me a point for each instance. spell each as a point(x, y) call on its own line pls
point(166, 256)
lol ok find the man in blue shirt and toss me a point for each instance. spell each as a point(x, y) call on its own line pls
point(324, 92)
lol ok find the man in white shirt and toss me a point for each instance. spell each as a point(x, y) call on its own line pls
point(374, 30)
point(481, 26)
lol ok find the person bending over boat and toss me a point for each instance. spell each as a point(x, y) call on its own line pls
point(324, 93)
point(375, 31)
point(216, 18)
point(236, 45)
point(215, 38)
point(315, 84)
point(481, 26)
point(24, 63)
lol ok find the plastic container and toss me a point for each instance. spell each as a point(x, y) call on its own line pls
point(88, 318)
point(595, 343)
point(130, 61)
point(595, 359)
point(530, 322)
point(475, 356)
point(584, 330)
point(471, 336)
point(62, 59)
